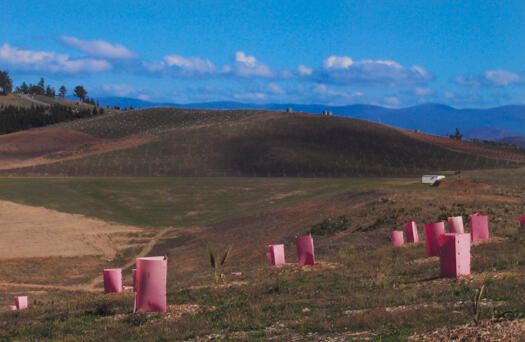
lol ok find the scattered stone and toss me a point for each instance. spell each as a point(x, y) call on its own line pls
point(498, 329)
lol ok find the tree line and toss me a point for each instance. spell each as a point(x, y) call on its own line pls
point(14, 119)
point(6, 88)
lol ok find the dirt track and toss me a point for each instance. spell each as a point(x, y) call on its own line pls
point(27, 231)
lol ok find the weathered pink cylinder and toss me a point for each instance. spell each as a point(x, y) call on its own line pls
point(522, 221)
point(411, 231)
point(134, 275)
point(305, 250)
point(12, 307)
point(21, 302)
point(455, 225)
point(276, 255)
point(454, 255)
point(479, 227)
point(150, 284)
point(398, 238)
point(432, 232)
point(112, 280)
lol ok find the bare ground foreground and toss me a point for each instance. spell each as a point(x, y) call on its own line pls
point(27, 232)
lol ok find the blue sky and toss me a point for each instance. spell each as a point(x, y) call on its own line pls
point(392, 53)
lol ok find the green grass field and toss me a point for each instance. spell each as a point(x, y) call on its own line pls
point(171, 202)
point(361, 288)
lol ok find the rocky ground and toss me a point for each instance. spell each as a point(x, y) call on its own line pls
point(490, 330)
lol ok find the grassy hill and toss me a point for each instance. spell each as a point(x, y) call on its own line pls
point(188, 142)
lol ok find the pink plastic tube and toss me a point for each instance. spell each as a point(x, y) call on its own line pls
point(479, 227)
point(134, 275)
point(276, 255)
point(21, 302)
point(112, 280)
point(432, 232)
point(305, 250)
point(411, 231)
point(455, 225)
point(151, 284)
point(522, 221)
point(454, 255)
point(12, 307)
point(398, 238)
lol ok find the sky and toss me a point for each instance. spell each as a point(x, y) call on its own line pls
point(400, 53)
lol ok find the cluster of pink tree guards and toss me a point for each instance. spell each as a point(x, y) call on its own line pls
point(149, 283)
point(453, 248)
point(305, 252)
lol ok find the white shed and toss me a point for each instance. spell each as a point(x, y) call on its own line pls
point(431, 179)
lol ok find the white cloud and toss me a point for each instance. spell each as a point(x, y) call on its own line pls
point(183, 67)
point(25, 59)
point(304, 70)
point(501, 77)
point(335, 62)
point(243, 66)
point(274, 88)
point(342, 70)
point(119, 89)
point(250, 96)
point(422, 91)
point(335, 97)
point(98, 48)
point(490, 78)
point(391, 101)
point(191, 64)
point(248, 66)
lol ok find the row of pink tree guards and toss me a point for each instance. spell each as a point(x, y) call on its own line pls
point(305, 252)
point(150, 274)
point(149, 283)
point(453, 248)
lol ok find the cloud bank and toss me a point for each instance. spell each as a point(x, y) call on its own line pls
point(98, 48)
point(44, 61)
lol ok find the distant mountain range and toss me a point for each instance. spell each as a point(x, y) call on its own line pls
point(505, 123)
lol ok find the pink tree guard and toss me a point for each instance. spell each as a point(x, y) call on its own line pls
point(134, 275)
point(305, 250)
point(12, 307)
point(522, 221)
point(269, 258)
point(397, 238)
point(432, 232)
point(112, 280)
point(455, 225)
point(455, 255)
point(479, 227)
point(276, 253)
point(150, 284)
point(21, 302)
point(411, 231)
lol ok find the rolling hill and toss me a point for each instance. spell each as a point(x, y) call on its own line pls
point(191, 142)
point(429, 118)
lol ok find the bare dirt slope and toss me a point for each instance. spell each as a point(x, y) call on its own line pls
point(27, 231)
point(28, 148)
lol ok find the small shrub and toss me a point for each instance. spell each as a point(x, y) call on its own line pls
point(137, 319)
point(330, 226)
